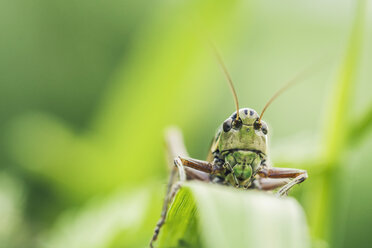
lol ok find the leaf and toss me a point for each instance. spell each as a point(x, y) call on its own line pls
point(205, 215)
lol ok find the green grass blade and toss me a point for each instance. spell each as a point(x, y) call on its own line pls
point(361, 128)
point(337, 120)
point(204, 215)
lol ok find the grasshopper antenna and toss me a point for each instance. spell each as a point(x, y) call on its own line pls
point(306, 72)
point(228, 77)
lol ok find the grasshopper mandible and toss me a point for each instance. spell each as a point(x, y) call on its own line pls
point(237, 157)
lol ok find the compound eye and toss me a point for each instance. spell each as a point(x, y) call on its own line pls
point(237, 124)
point(227, 125)
point(264, 128)
point(257, 125)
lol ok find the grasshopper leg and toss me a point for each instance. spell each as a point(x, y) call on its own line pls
point(173, 188)
point(172, 192)
point(270, 184)
point(164, 210)
point(298, 177)
point(175, 147)
point(200, 165)
point(228, 165)
point(284, 190)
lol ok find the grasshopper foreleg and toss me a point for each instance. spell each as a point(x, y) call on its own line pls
point(270, 184)
point(200, 165)
point(298, 177)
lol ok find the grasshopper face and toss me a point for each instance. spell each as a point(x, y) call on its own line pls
point(245, 134)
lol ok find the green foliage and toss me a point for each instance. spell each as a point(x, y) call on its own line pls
point(205, 215)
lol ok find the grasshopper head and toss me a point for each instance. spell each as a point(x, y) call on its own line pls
point(244, 133)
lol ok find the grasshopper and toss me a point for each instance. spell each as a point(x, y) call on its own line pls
point(237, 157)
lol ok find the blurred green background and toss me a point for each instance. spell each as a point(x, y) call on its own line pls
point(88, 87)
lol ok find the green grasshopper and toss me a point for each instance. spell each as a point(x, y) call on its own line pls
point(237, 157)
